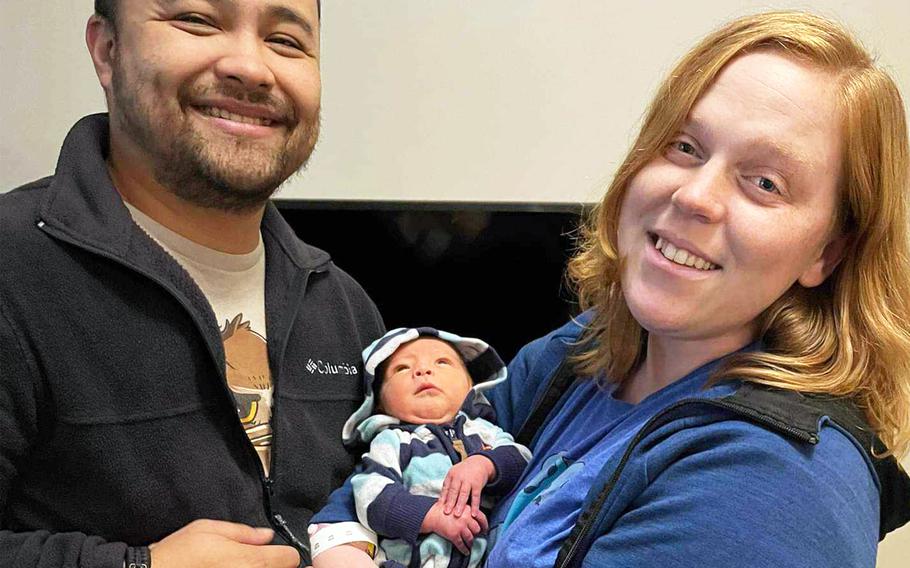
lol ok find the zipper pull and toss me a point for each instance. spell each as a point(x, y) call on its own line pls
point(459, 447)
point(295, 542)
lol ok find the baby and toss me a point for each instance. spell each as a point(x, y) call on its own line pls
point(433, 449)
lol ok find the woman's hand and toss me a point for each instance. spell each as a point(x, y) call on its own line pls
point(466, 480)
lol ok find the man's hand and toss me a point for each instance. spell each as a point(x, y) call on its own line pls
point(211, 544)
point(466, 479)
point(460, 531)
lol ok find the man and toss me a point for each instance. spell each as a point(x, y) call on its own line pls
point(175, 365)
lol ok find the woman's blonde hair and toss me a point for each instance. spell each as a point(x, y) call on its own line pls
point(851, 335)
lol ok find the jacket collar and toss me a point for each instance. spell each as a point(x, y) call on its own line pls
point(82, 203)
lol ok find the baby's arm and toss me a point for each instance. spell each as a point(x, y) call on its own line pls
point(382, 500)
point(386, 505)
point(336, 526)
point(497, 469)
point(350, 553)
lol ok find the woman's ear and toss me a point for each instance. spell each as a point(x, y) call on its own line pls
point(825, 264)
point(99, 38)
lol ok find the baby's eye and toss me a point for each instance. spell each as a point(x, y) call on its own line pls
point(443, 362)
point(399, 368)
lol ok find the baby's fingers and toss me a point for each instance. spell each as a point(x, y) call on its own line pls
point(443, 493)
point(464, 493)
point(452, 494)
point(459, 542)
point(468, 539)
point(475, 500)
point(473, 526)
point(482, 521)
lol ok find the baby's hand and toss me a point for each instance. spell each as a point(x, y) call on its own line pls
point(460, 531)
point(466, 479)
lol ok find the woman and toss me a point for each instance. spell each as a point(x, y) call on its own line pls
point(748, 264)
point(747, 332)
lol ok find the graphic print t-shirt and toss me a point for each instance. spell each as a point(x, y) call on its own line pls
point(234, 285)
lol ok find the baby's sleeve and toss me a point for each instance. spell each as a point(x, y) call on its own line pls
point(508, 456)
point(381, 498)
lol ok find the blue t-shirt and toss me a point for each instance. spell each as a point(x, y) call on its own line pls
point(729, 482)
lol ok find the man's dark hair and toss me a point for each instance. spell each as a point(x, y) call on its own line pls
point(107, 9)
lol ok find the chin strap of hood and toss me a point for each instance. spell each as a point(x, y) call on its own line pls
point(482, 362)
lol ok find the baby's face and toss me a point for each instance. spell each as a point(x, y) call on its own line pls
point(425, 382)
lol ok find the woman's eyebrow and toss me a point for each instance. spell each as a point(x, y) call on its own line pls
point(790, 157)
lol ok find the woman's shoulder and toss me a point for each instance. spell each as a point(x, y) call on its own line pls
point(704, 490)
point(742, 439)
point(551, 349)
point(529, 372)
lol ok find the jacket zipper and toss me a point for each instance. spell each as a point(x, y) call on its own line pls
point(589, 515)
point(268, 482)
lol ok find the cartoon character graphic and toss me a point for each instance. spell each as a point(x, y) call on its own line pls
point(555, 472)
point(250, 380)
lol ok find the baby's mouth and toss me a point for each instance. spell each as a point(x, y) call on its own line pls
point(424, 388)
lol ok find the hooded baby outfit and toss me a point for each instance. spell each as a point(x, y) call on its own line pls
point(405, 467)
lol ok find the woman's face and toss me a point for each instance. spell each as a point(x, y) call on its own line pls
point(743, 201)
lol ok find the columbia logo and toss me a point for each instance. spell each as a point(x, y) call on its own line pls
point(321, 367)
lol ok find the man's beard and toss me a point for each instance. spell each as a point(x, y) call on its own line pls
point(217, 172)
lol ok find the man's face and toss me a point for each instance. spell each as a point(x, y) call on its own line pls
point(425, 382)
point(220, 96)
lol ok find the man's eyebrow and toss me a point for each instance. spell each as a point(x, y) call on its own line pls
point(275, 12)
point(288, 15)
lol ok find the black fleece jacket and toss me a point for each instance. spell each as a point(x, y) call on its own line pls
point(116, 423)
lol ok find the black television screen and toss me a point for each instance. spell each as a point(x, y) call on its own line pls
point(491, 271)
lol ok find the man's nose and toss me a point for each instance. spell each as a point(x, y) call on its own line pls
point(245, 64)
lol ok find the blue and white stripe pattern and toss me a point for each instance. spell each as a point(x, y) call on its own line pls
point(403, 471)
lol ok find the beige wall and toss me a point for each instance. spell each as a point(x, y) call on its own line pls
point(894, 551)
point(506, 100)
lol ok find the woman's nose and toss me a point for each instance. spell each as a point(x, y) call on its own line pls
point(702, 194)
